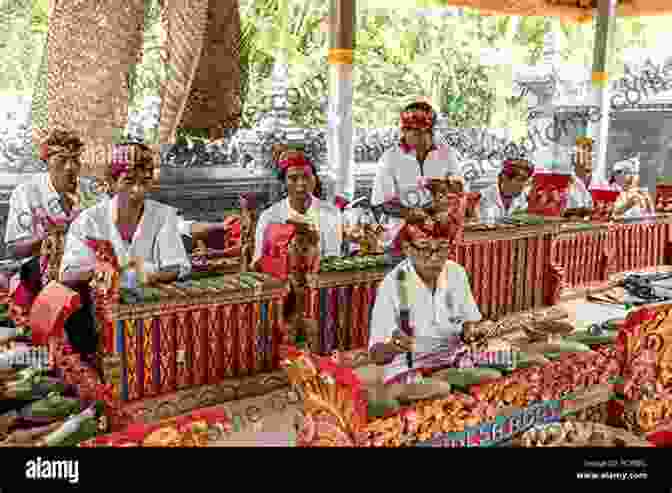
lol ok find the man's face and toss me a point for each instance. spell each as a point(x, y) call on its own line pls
point(64, 171)
point(517, 181)
point(300, 183)
point(418, 139)
point(134, 185)
point(584, 161)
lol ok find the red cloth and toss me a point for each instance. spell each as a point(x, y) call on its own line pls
point(660, 438)
point(51, 309)
point(275, 250)
point(547, 195)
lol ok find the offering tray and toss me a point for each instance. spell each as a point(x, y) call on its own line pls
point(578, 434)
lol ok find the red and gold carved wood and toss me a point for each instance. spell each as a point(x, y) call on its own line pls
point(644, 346)
point(664, 198)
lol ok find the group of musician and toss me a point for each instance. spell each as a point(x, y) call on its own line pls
point(429, 292)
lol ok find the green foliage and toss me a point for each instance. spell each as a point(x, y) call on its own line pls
point(399, 56)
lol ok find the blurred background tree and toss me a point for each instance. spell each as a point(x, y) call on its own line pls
point(401, 54)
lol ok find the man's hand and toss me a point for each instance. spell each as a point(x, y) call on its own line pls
point(403, 343)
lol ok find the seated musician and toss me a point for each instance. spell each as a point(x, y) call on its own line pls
point(579, 199)
point(140, 230)
point(427, 288)
point(45, 204)
point(401, 170)
point(301, 206)
point(632, 201)
point(510, 193)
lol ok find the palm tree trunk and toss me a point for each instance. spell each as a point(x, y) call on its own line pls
point(184, 27)
point(214, 100)
point(90, 49)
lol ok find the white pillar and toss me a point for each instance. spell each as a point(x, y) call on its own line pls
point(339, 136)
point(604, 30)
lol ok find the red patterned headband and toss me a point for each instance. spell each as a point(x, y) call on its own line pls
point(294, 160)
point(121, 160)
point(418, 119)
point(510, 164)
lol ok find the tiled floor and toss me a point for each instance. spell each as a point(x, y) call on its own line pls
point(272, 423)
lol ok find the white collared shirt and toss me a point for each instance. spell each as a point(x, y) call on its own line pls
point(156, 239)
point(399, 172)
point(578, 197)
point(438, 314)
point(326, 217)
point(38, 193)
point(492, 206)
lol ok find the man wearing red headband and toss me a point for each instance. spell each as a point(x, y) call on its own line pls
point(301, 206)
point(426, 297)
point(401, 170)
point(509, 194)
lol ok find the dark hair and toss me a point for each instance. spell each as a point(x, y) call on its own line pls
point(422, 106)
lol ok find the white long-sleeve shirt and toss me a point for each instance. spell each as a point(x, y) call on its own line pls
point(438, 314)
point(156, 240)
point(326, 217)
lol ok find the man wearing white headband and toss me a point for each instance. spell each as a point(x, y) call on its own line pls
point(633, 201)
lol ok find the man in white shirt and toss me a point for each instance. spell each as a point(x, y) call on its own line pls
point(510, 193)
point(401, 170)
point(301, 206)
point(633, 201)
point(579, 198)
point(426, 297)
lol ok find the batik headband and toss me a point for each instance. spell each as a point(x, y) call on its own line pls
point(509, 166)
point(47, 151)
point(123, 159)
point(416, 119)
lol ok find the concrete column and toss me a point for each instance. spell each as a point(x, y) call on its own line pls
point(604, 30)
point(339, 137)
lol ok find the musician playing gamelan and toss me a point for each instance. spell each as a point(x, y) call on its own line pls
point(46, 204)
point(579, 199)
point(510, 193)
point(301, 206)
point(632, 201)
point(436, 292)
point(143, 233)
point(401, 170)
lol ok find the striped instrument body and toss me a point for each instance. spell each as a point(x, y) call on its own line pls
point(342, 303)
point(583, 255)
point(506, 268)
point(196, 334)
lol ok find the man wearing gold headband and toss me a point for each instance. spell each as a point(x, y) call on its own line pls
point(402, 170)
point(45, 204)
point(49, 200)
